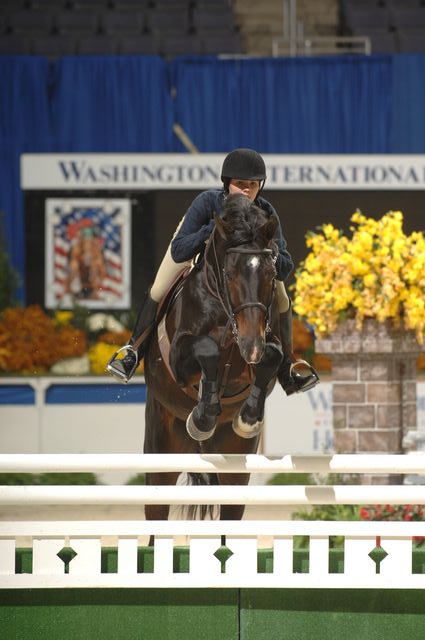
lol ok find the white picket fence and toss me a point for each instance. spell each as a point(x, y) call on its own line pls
point(87, 538)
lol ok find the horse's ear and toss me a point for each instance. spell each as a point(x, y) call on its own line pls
point(221, 226)
point(269, 228)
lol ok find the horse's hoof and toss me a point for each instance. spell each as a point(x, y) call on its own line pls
point(246, 430)
point(196, 433)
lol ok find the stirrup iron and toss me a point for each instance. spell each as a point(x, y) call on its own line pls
point(116, 372)
point(311, 380)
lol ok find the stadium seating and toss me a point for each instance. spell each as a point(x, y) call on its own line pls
point(222, 43)
point(30, 22)
point(363, 17)
point(122, 21)
point(129, 4)
point(166, 5)
point(6, 6)
point(129, 27)
point(180, 44)
point(206, 20)
point(393, 26)
point(87, 5)
point(76, 22)
point(411, 41)
point(407, 4)
point(145, 44)
point(402, 18)
point(381, 40)
point(53, 45)
point(98, 45)
point(13, 44)
point(171, 21)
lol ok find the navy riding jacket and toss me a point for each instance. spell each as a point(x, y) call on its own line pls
point(198, 224)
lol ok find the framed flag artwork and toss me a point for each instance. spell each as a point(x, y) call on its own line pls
point(88, 254)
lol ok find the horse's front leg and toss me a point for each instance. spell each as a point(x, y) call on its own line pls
point(201, 354)
point(250, 420)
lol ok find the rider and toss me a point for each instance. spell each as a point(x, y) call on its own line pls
point(244, 172)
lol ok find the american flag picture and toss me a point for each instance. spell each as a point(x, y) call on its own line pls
point(88, 253)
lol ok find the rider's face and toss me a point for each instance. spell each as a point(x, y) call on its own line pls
point(249, 188)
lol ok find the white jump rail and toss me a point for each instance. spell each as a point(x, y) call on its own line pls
point(87, 538)
point(302, 495)
point(212, 463)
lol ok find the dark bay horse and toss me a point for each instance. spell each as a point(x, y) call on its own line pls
point(214, 358)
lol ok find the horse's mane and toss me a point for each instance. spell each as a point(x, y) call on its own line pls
point(242, 220)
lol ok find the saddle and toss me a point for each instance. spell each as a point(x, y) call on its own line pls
point(163, 305)
point(169, 298)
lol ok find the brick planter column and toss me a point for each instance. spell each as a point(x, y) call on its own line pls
point(374, 386)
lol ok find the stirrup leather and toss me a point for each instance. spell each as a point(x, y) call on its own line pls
point(115, 371)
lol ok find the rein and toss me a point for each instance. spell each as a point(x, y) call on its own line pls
point(219, 289)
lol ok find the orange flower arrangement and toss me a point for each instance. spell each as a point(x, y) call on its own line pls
point(31, 341)
point(304, 346)
point(115, 337)
point(303, 340)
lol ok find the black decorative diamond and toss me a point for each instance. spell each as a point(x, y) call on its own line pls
point(378, 554)
point(66, 554)
point(223, 553)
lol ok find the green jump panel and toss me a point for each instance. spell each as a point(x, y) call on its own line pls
point(332, 614)
point(212, 614)
point(119, 614)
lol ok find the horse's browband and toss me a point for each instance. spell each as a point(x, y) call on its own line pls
point(246, 250)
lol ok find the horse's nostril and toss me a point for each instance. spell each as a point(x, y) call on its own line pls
point(252, 352)
point(256, 355)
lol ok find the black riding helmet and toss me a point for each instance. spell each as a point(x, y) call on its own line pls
point(243, 164)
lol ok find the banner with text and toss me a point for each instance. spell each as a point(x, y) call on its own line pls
point(202, 171)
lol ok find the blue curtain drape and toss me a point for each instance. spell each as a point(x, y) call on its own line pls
point(408, 95)
point(112, 103)
point(281, 105)
point(24, 126)
point(356, 104)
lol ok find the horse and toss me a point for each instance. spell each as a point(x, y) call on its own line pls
point(213, 359)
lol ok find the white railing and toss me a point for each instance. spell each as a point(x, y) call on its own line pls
point(44, 539)
point(321, 45)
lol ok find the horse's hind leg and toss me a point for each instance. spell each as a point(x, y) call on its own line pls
point(159, 511)
point(232, 511)
point(251, 416)
point(161, 436)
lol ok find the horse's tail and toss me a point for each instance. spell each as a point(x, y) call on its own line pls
point(201, 511)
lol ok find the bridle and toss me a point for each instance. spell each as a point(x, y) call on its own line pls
point(216, 280)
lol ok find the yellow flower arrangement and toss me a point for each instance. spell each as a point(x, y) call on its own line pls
point(108, 343)
point(377, 273)
point(99, 354)
point(63, 317)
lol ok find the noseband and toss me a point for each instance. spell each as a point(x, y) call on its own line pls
point(220, 289)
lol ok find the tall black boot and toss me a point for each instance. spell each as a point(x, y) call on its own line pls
point(124, 368)
point(294, 375)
